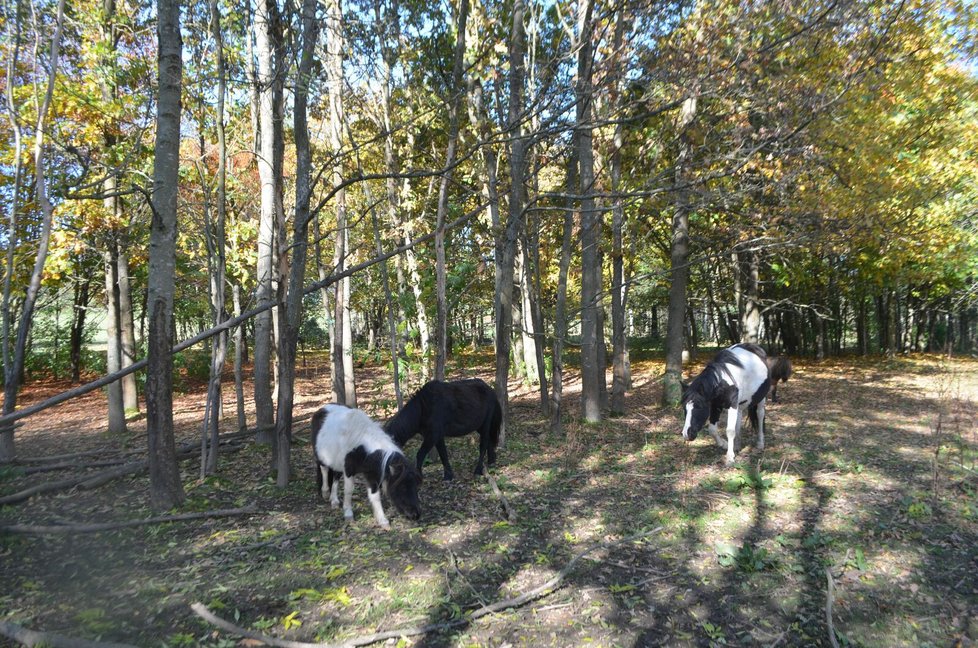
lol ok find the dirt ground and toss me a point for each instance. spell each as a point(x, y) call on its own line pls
point(868, 479)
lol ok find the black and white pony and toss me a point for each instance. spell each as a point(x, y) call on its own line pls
point(346, 441)
point(778, 369)
point(736, 379)
point(450, 409)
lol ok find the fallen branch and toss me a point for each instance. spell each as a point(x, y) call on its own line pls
point(51, 467)
point(498, 493)
point(108, 526)
point(518, 601)
point(829, 601)
point(83, 482)
point(54, 640)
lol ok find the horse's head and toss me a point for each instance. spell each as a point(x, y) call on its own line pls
point(697, 412)
point(402, 482)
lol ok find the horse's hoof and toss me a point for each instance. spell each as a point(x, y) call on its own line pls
point(449, 477)
point(348, 516)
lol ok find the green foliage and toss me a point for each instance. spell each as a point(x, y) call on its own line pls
point(748, 558)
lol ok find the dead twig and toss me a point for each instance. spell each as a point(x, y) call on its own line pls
point(36, 638)
point(829, 601)
point(30, 470)
point(515, 602)
point(108, 526)
point(510, 515)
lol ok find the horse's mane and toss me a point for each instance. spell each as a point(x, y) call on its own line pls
point(708, 381)
point(404, 424)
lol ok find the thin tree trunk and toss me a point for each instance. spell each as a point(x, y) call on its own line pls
point(267, 42)
point(14, 369)
point(619, 339)
point(457, 92)
point(77, 335)
point(166, 489)
point(592, 372)
point(344, 390)
point(217, 256)
point(517, 165)
point(291, 311)
point(127, 334)
point(679, 264)
point(239, 348)
point(113, 357)
point(560, 311)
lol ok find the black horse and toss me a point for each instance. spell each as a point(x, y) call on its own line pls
point(449, 409)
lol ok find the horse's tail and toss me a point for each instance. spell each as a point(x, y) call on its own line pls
point(496, 421)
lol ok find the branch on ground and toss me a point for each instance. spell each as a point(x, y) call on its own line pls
point(50, 639)
point(108, 526)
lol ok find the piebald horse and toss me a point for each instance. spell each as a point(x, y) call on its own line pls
point(735, 380)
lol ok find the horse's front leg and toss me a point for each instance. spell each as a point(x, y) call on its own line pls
point(348, 497)
point(426, 445)
point(733, 429)
point(373, 494)
point(443, 455)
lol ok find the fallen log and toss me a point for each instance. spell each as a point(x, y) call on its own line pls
point(510, 515)
point(30, 529)
point(84, 482)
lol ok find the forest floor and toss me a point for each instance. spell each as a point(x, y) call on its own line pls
point(869, 475)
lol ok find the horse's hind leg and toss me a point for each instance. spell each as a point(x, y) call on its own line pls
point(333, 485)
point(443, 455)
point(760, 425)
point(348, 497)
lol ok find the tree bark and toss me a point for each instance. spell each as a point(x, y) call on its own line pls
point(291, 311)
point(166, 489)
point(344, 387)
point(113, 356)
point(592, 371)
point(14, 369)
point(77, 335)
point(679, 264)
point(560, 310)
point(267, 44)
point(517, 164)
point(456, 90)
point(619, 338)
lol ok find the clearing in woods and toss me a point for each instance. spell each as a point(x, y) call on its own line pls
point(869, 476)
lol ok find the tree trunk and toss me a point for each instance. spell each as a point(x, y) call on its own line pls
point(679, 263)
point(592, 372)
point(113, 357)
point(239, 349)
point(291, 312)
point(166, 489)
point(217, 258)
point(560, 310)
point(344, 390)
point(456, 91)
point(619, 339)
point(517, 165)
point(14, 369)
point(127, 334)
point(750, 313)
point(267, 45)
point(77, 335)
